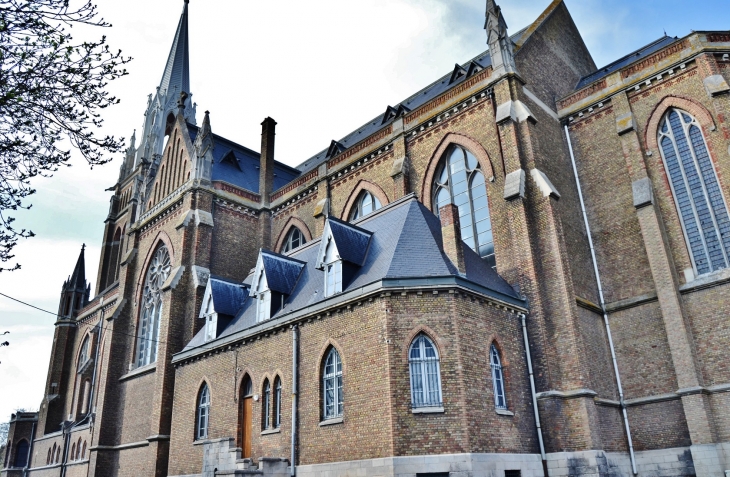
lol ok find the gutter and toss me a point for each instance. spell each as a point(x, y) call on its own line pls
point(294, 397)
point(534, 396)
point(603, 306)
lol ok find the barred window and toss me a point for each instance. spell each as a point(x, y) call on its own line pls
point(366, 204)
point(500, 401)
point(697, 195)
point(423, 360)
point(333, 403)
point(149, 323)
point(266, 408)
point(294, 239)
point(203, 413)
point(460, 181)
point(277, 402)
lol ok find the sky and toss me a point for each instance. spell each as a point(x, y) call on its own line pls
point(320, 68)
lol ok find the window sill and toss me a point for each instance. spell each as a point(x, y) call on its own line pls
point(707, 280)
point(271, 431)
point(330, 422)
point(504, 412)
point(149, 368)
point(428, 410)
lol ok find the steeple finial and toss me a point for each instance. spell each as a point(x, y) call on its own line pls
point(500, 44)
point(177, 69)
point(78, 277)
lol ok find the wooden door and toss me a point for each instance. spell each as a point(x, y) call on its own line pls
point(246, 426)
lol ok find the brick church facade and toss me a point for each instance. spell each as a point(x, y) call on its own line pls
point(522, 269)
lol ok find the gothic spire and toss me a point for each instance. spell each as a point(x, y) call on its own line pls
point(177, 69)
point(78, 278)
point(500, 44)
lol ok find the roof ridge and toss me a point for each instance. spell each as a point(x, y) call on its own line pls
point(532, 27)
point(389, 206)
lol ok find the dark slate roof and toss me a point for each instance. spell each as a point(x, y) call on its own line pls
point(406, 243)
point(239, 165)
point(282, 272)
point(351, 241)
point(423, 96)
point(177, 68)
point(228, 297)
point(637, 55)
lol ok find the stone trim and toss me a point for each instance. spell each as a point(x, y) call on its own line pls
point(504, 412)
point(276, 430)
point(708, 280)
point(428, 410)
point(131, 445)
point(158, 438)
point(631, 302)
point(331, 422)
point(572, 394)
point(142, 370)
point(212, 441)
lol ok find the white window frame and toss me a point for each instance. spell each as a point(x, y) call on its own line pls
point(203, 414)
point(263, 299)
point(332, 270)
point(333, 405)
point(266, 424)
point(495, 362)
point(289, 242)
point(420, 369)
point(277, 402)
point(365, 205)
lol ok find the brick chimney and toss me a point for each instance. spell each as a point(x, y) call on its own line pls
point(451, 234)
point(266, 172)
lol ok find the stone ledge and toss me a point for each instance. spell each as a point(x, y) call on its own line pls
point(142, 370)
point(274, 431)
point(428, 410)
point(573, 393)
point(330, 422)
point(504, 412)
point(706, 281)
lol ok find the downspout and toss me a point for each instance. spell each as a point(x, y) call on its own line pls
point(534, 395)
point(294, 396)
point(30, 449)
point(622, 402)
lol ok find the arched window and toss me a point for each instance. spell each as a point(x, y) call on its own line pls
point(333, 404)
point(151, 307)
point(500, 401)
point(366, 204)
point(85, 351)
point(203, 413)
point(460, 181)
point(277, 402)
point(696, 191)
point(78, 450)
point(266, 406)
point(294, 239)
point(21, 454)
point(58, 455)
point(423, 360)
point(83, 451)
point(73, 452)
point(48, 457)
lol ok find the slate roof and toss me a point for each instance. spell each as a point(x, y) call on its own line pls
point(239, 165)
point(406, 243)
point(282, 272)
point(177, 68)
point(228, 296)
point(351, 241)
point(637, 55)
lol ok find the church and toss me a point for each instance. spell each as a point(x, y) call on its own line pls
point(523, 269)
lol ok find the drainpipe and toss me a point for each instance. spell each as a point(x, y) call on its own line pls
point(603, 306)
point(534, 395)
point(30, 450)
point(294, 396)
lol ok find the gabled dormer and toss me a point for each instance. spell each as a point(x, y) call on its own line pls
point(221, 303)
point(342, 252)
point(458, 73)
point(274, 279)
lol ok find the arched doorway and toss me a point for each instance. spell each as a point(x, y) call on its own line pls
point(245, 415)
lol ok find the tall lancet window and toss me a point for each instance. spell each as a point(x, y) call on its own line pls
point(459, 180)
point(697, 194)
point(151, 307)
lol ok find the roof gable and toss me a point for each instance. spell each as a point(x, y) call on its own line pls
point(352, 242)
point(227, 297)
point(280, 272)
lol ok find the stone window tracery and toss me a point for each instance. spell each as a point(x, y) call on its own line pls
point(149, 323)
point(696, 190)
point(459, 180)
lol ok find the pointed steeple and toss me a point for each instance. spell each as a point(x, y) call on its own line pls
point(177, 69)
point(500, 44)
point(78, 278)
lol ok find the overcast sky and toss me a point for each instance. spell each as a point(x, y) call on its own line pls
point(320, 68)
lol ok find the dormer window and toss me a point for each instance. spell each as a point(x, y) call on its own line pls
point(263, 300)
point(222, 302)
point(273, 281)
point(342, 252)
